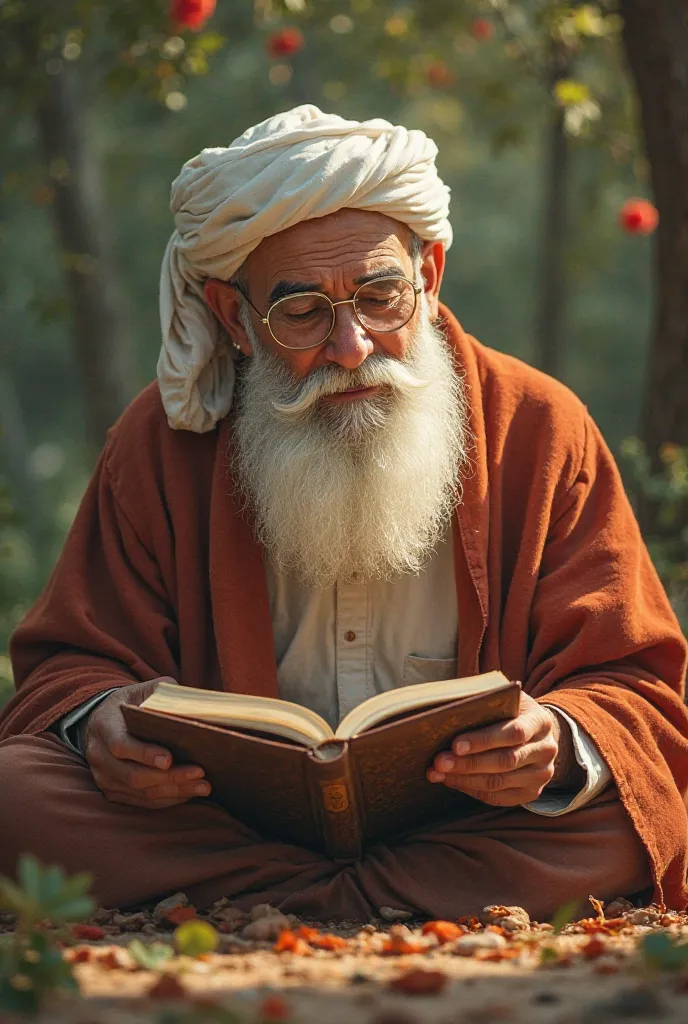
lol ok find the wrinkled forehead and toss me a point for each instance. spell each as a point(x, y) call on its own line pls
point(330, 252)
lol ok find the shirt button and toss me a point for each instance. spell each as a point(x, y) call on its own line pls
point(350, 636)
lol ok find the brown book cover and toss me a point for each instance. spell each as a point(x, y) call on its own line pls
point(342, 795)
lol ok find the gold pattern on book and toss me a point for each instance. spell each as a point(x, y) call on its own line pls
point(335, 797)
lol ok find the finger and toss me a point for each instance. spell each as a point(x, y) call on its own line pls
point(514, 733)
point(505, 797)
point(111, 731)
point(500, 759)
point(130, 775)
point(125, 748)
point(529, 778)
point(134, 800)
point(164, 791)
point(172, 792)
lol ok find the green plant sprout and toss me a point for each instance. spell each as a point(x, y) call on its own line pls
point(662, 952)
point(31, 962)
point(150, 957)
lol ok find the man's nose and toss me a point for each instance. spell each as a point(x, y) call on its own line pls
point(349, 344)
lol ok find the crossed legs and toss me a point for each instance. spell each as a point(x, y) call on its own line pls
point(51, 807)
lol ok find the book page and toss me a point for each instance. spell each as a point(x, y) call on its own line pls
point(260, 714)
point(410, 698)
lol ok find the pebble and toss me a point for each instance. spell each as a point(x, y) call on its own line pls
point(467, 945)
point(180, 899)
point(130, 922)
point(516, 919)
point(642, 917)
point(230, 917)
point(267, 927)
point(101, 916)
point(618, 907)
point(265, 910)
point(513, 924)
point(391, 914)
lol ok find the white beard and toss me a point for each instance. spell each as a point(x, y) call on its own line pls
point(360, 489)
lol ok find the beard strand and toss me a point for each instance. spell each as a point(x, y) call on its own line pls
point(361, 489)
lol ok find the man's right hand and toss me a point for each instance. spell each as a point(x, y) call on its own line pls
point(128, 771)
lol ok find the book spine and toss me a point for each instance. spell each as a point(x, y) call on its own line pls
point(335, 800)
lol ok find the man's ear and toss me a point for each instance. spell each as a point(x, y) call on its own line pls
point(433, 260)
point(224, 300)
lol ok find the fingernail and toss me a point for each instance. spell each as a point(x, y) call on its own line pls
point(462, 747)
point(202, 789)
point(194, 773)
point(435, 777)
point(160, 762)
point(444, 763)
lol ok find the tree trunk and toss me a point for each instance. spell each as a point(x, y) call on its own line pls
point(100, 337)
point(656, 41)
point(552, 273)
point(15, 448)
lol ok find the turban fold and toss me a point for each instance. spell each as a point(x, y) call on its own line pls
point(292, 167)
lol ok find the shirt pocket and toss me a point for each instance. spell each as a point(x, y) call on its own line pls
point(427, 670)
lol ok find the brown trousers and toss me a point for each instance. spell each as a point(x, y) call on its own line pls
point(51, 807)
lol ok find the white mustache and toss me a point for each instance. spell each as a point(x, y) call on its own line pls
point(376, 371)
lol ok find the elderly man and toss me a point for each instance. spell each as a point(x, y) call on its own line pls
point(331, 491)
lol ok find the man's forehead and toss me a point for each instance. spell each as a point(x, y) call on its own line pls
point(345, 244)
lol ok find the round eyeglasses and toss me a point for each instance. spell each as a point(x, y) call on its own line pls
point(306, 319)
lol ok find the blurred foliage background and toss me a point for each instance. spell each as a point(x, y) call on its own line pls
point(533, 105)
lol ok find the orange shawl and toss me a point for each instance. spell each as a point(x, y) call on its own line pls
point(161, 575)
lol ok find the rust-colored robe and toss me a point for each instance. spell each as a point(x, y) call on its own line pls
point(161, 575)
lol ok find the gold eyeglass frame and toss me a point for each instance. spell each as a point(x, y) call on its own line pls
point(417, 289)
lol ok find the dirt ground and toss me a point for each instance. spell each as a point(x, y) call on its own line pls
point(501, 967)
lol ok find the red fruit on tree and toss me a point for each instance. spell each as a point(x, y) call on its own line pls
point(192, 13)
point(482, 29)
point(439, 75)
point(639, 217)
point(285, 42)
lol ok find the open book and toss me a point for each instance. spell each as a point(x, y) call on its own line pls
point(279, 766)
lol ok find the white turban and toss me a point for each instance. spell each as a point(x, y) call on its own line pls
point(290, 168)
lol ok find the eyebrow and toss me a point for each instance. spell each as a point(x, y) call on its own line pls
point(284, 288)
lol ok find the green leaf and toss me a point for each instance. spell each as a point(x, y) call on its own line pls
point(13, 1000)
point(51, 882)
point(548, 955)
point(196, 937)
point(11, 897)
point(588, 21)
point(210, 42)
point(661, 952)
point(569, 93)
point(150, 958)
point(564, 915)
point(76, 910)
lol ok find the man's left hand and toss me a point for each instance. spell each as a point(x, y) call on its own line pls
point(509, 763)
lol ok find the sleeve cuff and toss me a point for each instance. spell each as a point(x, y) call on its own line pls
point(67, 727)
point(597, 775)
